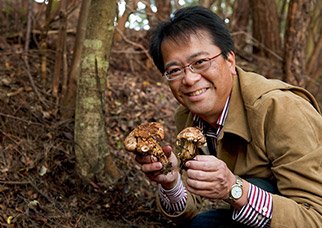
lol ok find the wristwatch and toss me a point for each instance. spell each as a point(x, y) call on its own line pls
point(236, 190)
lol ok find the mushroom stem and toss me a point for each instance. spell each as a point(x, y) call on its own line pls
point(189, 148)
point(145, 149)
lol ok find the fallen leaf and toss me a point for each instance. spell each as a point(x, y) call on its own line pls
point(33, 204)
point(42, 171)
point(9, 219)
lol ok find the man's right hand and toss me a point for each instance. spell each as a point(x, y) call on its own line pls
point(152, 168)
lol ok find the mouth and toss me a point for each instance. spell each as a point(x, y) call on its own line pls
point(197, 92)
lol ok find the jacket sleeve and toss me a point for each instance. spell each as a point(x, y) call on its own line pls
point(183, 119)
point(292, 132)
point(193, 206)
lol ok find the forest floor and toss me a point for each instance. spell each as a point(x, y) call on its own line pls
point(39, 185)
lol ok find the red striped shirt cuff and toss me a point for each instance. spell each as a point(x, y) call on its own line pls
point(258, 212)
point(173, 200)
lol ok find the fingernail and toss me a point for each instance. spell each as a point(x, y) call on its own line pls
point(187, 164)
point(158, 165)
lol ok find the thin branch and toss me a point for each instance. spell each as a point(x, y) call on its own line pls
point(33, 83)
point(15, 182)
point(256, 42)
point(136, 45)
point(17, 118)
point(29, 18)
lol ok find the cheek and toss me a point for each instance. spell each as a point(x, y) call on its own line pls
point(175, 89)
point(174, 86)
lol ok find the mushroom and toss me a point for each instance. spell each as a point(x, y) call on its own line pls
point(187, 141)
point(144, 140)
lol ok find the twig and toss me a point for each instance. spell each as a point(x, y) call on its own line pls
point(79, 218)
point(256, 42)
point(36, 188)
point(2, 156)
point(136, 45)
point(29, 17)
point(33, 83)
point(14, 182)
point(17, 118)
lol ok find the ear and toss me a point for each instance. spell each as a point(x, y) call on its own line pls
point(231, 62)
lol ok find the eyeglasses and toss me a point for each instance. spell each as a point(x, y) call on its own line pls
point(197, 66)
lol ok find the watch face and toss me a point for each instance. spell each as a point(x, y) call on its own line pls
point(236, 192)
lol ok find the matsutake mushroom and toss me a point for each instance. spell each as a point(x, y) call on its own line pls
point(144, 139)
point(187, 141)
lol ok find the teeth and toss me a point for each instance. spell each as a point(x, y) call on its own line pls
point(197, 92)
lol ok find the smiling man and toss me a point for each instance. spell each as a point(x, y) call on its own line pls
point(264, 136)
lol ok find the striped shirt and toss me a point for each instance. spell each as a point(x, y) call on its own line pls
point(258, 211)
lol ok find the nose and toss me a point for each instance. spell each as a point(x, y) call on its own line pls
point(190, 77)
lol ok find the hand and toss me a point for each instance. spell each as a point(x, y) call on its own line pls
point(210, 177)
point(152, 169)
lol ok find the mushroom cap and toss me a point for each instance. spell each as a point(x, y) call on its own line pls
point(130, 142)
point(151, 129)
point(143, 134)
point(192, 134)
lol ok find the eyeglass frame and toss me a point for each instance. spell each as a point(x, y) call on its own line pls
point(190, 68)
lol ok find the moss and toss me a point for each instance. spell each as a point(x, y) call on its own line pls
point(94, 44)
point(89, 62)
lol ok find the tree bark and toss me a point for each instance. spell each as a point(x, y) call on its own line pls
point(266, 28)
point(298, 20)
point(164, 10)
point(94, 160)
point(239, 22)
point(28, 30)
point(68, 104)
point(61, 42)
point(43, 42)
point(130, 8)
point(206, 3)
point(314, 45)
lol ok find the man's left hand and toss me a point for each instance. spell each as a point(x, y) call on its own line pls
point(209, 177)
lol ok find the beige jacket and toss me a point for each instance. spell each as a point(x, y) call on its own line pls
point(273, 130)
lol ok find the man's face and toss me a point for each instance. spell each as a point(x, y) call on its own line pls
point(206, 92)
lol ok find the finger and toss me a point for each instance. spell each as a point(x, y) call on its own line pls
point(167, 150)
point(200, 175)
point(201, 165)
point(205, 193)
point(205, 158)
point(144, 159)
point(151, 167)
point(197, 185)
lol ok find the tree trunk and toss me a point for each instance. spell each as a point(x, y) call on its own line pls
point(314, 45)
point(130, 8)
point(239, 22)
point(266, 28)
point(206, 3)
point(61, 43)
point(94, 160)
point(164, 10)
point(298, 20)
point(43, 42)
point(68, 104)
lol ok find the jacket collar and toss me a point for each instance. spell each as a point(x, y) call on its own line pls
point(236, 121)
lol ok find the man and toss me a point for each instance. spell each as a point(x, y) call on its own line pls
point(264, 136)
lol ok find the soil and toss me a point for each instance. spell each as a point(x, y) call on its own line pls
point(39, 185)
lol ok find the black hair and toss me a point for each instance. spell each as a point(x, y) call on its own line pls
point(185, 22)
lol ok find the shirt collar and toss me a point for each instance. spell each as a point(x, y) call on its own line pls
point(209, 130)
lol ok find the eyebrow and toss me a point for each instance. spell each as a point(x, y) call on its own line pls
point(190, 58)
